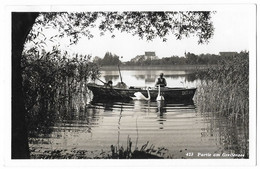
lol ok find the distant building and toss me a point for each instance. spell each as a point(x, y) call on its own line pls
point(146, 56)
point(150, 55)
point(227, 53)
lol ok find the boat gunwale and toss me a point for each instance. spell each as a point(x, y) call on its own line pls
point(140, 88)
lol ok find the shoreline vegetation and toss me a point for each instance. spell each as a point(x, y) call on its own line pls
point(225, 89)
point(157, 67)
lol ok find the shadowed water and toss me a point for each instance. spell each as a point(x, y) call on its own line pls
point(178, 127)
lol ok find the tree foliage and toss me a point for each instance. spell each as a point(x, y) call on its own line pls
point(146, 25)
point(109, 59)
point(149, 25)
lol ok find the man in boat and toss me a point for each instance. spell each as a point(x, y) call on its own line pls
point(161, 81)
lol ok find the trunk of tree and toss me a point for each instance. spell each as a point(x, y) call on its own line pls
point(21, 26)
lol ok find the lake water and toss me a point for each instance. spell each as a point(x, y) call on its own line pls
point(148, 77)
point(178, 127)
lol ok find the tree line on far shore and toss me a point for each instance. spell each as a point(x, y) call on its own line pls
point(189, 59)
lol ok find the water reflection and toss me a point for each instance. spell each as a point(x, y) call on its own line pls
point(175, 126)
point(161, 110)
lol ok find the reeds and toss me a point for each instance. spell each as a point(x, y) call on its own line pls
point(225, 88)
point(54, 83)
point(145, 152)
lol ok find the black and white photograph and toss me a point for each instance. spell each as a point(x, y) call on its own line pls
point(162, 83)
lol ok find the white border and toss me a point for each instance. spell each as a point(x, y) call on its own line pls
point(102, 5)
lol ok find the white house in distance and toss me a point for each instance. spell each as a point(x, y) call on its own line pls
point(149, 55)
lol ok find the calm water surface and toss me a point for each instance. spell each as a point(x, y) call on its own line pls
point(179, 127)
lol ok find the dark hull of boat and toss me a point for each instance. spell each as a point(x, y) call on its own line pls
point(178, 94)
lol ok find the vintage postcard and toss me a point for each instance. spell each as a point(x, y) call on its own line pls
point(96, 84)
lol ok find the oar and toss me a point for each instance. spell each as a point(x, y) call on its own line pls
point(101, 80)
point(120, 74)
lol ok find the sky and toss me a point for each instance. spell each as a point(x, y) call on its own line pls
point(233, 32)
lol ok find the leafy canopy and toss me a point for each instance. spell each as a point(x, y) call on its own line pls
point(146, 25)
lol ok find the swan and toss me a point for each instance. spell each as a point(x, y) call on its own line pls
point(159, 97)
point(140, 96)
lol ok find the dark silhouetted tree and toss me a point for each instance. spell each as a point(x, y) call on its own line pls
point(110, 59)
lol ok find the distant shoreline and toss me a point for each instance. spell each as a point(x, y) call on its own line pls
point(159, 67)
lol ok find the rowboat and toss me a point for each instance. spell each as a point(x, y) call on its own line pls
point(169, 93)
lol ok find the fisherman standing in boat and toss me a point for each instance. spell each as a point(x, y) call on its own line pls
point(161, 81)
